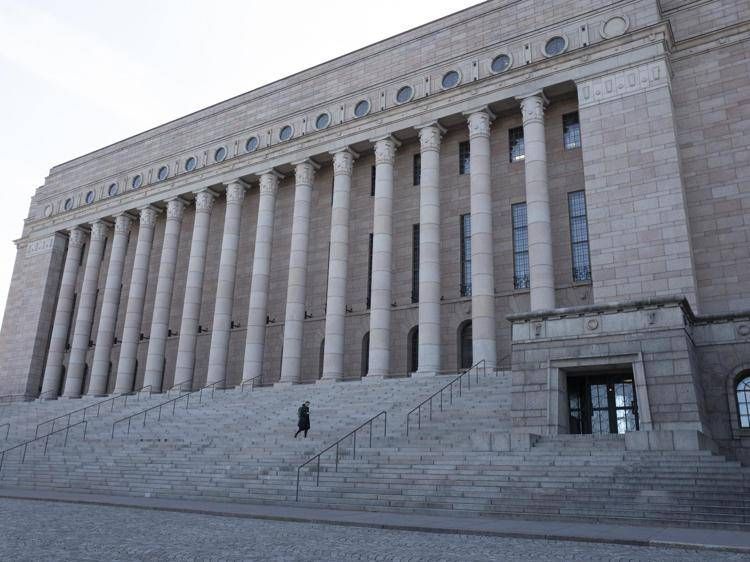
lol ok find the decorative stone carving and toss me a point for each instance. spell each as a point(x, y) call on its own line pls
point(204, 201)
point(98, 231)
point(175, 209)
point(634, 80)
point(743, 330)
point(304, 172)
point(269, 183)
point(236, 192)
point(148, 217)
point(592, 324)
point(122, 223)
point(40, 246)
point(430, 137)
point(479, 123)
point(532, 109)
point(343, 162)
point(614, 27)
point(385, 151)
point(76, 238)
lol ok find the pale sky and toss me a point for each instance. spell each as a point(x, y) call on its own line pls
point(77, 75)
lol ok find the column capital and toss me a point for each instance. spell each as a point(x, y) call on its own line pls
point(204, 200)
point(269, 182)
point(385, 149)
point(76, 237)
point(532, 107)
point(236, 191)
point(343, 161)
point(430, 136)
point(175, 208)
point(123, 222)
point(304, 171)
point(148, 216)
point(479, 122)
point(99, 230)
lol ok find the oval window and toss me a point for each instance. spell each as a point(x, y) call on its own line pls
point(554, 46)
point(137, 181)
point(450, 79)
point(322, 121)
point(285, 133)
point(68, 204)
point(163, 173)
point(220, 154)
point(112, 190)
point(404, 94)
point(500, 63)
point(362, 108)
point(252, 144)
point(90, 197)
point(190, 164)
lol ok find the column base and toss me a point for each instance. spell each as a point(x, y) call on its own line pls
point(283, 384)
point(423, 374)
point(327, 381)
point(374, 378)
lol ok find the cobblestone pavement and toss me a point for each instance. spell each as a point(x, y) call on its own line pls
point(34, 530)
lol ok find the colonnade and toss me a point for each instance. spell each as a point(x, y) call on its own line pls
point(484, 323)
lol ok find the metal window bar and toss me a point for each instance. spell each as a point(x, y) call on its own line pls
point(520, 246)
point(449, 387)
point(571, 131)
point(516, 144)
point(98, 405)
point(579, 236)
point(465, 288)
point(46, 437)
point(369, 273)
point(336, 445)
point(417, 171)
point(464, 158)
point(415, 263)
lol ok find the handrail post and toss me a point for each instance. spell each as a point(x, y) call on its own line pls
point(129, 425)
point(430, 408)
point(23, 458)
point(85, 427)
point(354, 449)
point(385, 423)
point(407, 424)
point(317, 480)
point(296, 497)
point(337, 456)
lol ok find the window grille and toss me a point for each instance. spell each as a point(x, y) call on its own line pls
point(464, 158)
point(516, 144)
point(520, 246)
point(417, 172)
point(571, 131)
point(465, 288)
point(579, 236)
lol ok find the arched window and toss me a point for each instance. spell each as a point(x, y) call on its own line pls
point(365, 354)
point(320, 358)
point(412, 348)
point(742, 393)
point(465, 352)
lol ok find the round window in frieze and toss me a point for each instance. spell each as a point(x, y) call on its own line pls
point(163, 173)
point(614, 27)
point(90, 196)
point(68, 205)
point(220, 154)
point(555, 46)
point(190, 164)
point(48, 210)
point(252, 144)
point(112, 189)
point(322, 121)
point(501, 63)
point(404, 94)
point(362, 108)
point(286, 133)
point(451, 79)
point(137, 181)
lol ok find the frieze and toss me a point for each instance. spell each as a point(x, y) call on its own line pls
point(624, 83)
point(39, 247)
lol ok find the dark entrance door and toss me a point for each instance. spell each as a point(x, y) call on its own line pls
point(602, 404)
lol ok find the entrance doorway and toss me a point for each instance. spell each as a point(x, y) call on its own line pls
point(602, 403)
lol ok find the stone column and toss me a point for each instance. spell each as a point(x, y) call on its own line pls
point(429, 251)
point(191, 307)
point(136, 297)
point(258, 309)
point(154, 372)
point(333, 352)
point(222, 323)
point(105, 334)
point(382, 244)
point(482, 260)
point(85, 316)
point(63, 314)
point(541, 270)
point(291, 360)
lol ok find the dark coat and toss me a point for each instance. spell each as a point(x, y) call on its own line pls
point(304, 418)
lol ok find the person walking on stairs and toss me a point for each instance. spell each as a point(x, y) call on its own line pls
point(303, 422)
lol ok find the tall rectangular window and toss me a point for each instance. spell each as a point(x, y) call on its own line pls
point(369, 273)
point(516, 145)
point(520, 246)
point(372, 181)
point(465, 255)
point(415, 263)
point(464, 158)
point(417, 172)
point(579, 236)
point(571, 131)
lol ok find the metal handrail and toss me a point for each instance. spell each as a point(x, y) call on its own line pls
point(251, 382)
point(26, 444)
point(98, 406)
point(7, 429)
point(172, 401)
point(459, 379)
point(337, 443)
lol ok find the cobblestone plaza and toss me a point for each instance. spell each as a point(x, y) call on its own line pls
point(554, 194)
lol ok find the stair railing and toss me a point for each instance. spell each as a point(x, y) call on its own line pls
point(46, 437)
point(173, 401)
point(465, 374)
point(251, 382)
point(98, 405)
point(336, 445)
point(7, 429)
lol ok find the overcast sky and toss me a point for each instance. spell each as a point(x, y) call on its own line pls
point(78, 75)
